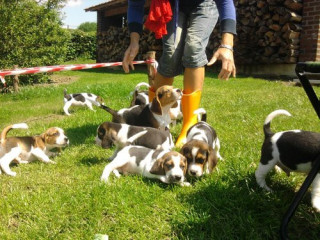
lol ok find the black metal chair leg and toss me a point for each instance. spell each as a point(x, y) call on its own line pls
point(310, 92)
point(298, 197)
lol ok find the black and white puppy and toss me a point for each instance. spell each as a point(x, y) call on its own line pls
point(293, 150)
point(81, 99)
point(28, 148)
point(121, 135)
point(202, 147)
point(139, 96)
point(164, 165)
point(155, 114)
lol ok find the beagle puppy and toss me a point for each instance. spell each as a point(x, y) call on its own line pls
point(293, 150)
point(28, 148)
point(164, 165)
point(80, 99)
point(121, 135)
point(140, 97)
point(155, 114)
point(202, 148)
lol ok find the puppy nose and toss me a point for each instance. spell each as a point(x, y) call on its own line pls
point(178, 90)
point(193, 173)
point(177, 178)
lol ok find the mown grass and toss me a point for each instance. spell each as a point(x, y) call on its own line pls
point(68, 201)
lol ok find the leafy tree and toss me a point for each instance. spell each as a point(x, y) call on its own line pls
point(31, 33)
point(81, 44)
point(88, 27)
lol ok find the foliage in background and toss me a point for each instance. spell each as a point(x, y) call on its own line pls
point(31, 35)
point(81, 44)
point(88, 27)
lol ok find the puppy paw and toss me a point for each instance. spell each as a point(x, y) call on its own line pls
point(116, 173)
point(185, 184)
point(104, 179)
point(12, 174)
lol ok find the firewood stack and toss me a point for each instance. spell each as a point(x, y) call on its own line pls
point(112, 44)
point(268, 31)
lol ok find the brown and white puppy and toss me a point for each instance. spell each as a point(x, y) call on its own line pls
point(81, 99)
point(28, 148)
point(121, 135)
point(202, 148)
point(155, 114)
point(293, 150)
point(167, 166)
point(140, 97)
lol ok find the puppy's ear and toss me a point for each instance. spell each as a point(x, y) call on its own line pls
point(157, 167)
point(100, 100)
point(212, 159)
point(156, 104)
point(184, 150)
point(184, 159)
point(175, 105)
point(109, 138)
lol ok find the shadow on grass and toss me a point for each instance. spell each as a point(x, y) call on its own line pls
point(241, 210)
point(79, 135)
point(90, 161)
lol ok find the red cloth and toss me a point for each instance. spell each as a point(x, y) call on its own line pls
point(159, 14)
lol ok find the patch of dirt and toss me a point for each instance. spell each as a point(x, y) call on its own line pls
point(47, 118)
point(58, 79)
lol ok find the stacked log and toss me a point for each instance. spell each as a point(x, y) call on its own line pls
point(112, 44)
point(268, 31)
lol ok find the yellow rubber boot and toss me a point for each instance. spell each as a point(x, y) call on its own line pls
point(151, 94)
point(189, 103)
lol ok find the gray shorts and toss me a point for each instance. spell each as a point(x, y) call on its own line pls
point(188, 50)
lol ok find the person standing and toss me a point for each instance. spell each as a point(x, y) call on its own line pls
point(184, 45)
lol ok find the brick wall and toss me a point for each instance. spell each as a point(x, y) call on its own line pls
point(310, 35)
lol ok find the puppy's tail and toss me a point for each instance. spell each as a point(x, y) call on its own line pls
point(266, 126)
point(201, 114)
point(139, 85)
point(8, 128)
point(109, 110)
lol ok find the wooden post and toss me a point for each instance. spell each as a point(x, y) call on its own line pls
point(151, 67)
point(16, 81)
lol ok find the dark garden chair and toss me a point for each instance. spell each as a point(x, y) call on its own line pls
point(304, 71)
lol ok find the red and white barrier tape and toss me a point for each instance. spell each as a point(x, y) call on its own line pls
point(58, 68)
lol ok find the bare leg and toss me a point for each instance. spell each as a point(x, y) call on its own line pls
point(160, 80)
point(193, 79)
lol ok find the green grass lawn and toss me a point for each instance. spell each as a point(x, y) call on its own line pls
point(68, 201)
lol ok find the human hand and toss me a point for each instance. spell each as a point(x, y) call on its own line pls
point(228, 66)
point(131, 52)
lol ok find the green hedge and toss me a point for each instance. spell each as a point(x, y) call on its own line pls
point(81, 44)
point(31, 35)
